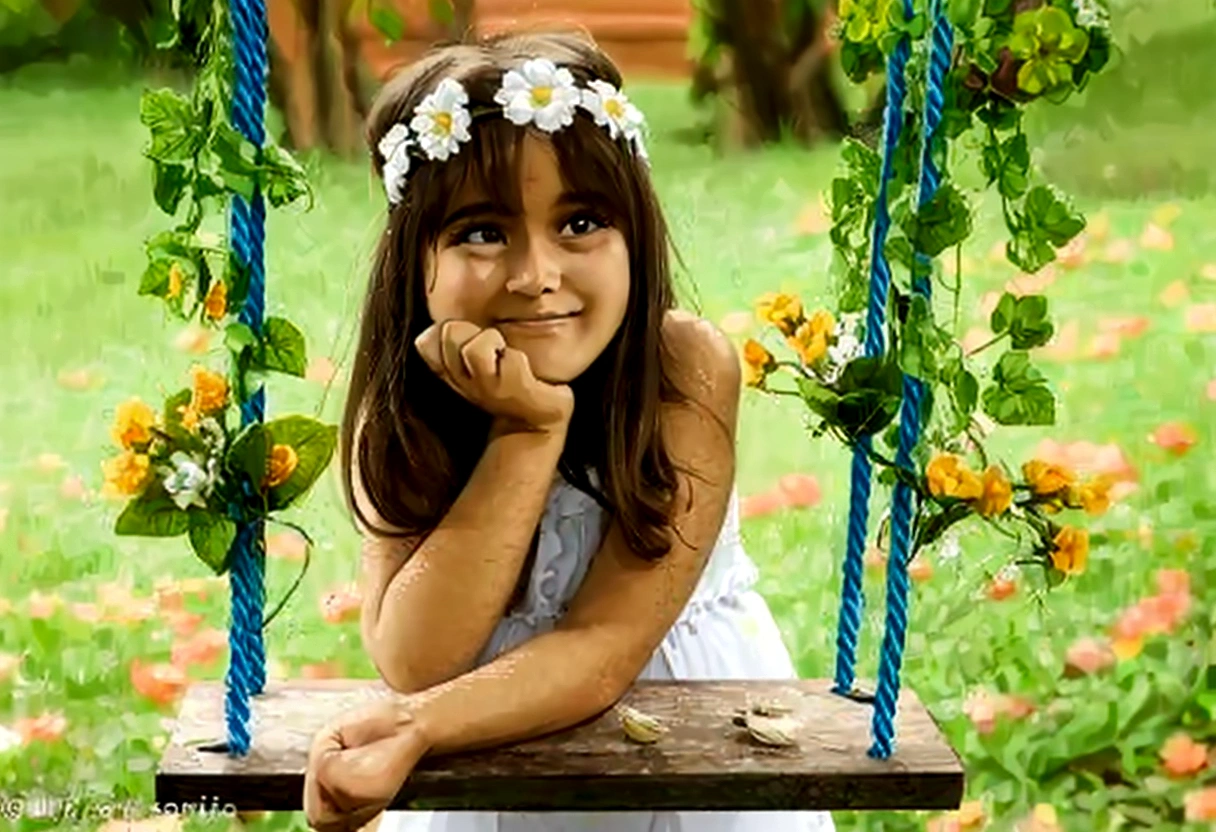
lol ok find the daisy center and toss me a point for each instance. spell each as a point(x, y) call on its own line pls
point(613, 108)
point(541, 96)
point(443, 123)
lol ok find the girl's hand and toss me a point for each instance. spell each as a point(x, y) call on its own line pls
point(478, 364)
point(357, 765)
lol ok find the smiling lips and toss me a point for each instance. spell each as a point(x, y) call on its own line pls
point(540, 321)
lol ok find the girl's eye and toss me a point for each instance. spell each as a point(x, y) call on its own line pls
point(480, 235)
point(584, 223)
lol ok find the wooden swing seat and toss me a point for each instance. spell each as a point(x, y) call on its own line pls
point(706, 762)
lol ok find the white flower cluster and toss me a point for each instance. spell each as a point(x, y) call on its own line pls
point(539, 93)
point(191, 478)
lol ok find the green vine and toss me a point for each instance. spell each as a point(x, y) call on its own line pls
point(1007, 55)
point(189, 468)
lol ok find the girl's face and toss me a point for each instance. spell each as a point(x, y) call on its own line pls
point(554, 279)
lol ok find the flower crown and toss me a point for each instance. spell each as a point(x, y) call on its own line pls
point(539, 93)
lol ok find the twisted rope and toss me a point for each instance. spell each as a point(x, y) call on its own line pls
point(883, 727)
point(247, 668)
point(851, 598)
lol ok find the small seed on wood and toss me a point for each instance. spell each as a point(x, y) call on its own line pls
point(640, 727)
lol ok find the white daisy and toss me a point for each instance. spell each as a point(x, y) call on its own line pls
point(397, 137)
point(442, 121)
point(395, 148)
point(540, 93)
point(611, 108)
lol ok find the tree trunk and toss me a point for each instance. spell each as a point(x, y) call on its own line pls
point(770, 81)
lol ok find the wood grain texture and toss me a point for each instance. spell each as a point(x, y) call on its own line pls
point(705, 762)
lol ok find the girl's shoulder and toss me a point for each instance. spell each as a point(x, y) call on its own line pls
point(705, 363)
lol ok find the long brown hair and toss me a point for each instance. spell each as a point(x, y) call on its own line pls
point(419, 439)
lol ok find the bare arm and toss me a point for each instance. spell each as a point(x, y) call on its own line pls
point(430, 606)
point(624, 607)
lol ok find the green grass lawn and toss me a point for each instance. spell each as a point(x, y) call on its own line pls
point(77, 206)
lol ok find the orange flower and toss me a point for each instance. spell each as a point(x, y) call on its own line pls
point(1093, 496)
point(1201, 805)
point(757, 363)
point(282, 462)
point(1088, 656)
point(1072, 550)
point(1181, 756)
point(163, 684)
point(1001, 588)
point(764, 503)
point(1047, 478)
point(920, 569)
point(48, 727)
point(949, 476)
point(133, 420)
point(126, 474)
point(175, 280)
point(997, 494)
point(781, 310)
point(216, 304)
point(8, 665)
point(341, 604)
point(190, 417)
point(808, 343)
point(1174, 437)
point(210, 392)
point(202, 648)
point(800, 490)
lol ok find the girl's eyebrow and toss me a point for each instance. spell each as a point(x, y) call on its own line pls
point(571, 198)
point(475, 209)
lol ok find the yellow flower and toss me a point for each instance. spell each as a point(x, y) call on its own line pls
point(133, 421)
point(949, 476)
point(998, 493)
point(283, 460)
point(809, 344)
point(216, 304)
point(781, 310)
point(210, 391)
point(175, 280)
point(1046, 478)
point(190, 417)
point(1093, 496)
point(1072, 550)
point(125, 474)
point(757, 362)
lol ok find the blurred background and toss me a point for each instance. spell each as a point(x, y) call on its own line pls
point(747, 104)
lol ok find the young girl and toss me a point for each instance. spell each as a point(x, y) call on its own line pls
point(539, 449)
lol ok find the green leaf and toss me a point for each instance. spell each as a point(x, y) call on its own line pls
point(818, 398)
point(1013, 176)
point(1051, 216)
point(920, 341)
point(387, 22)
point(152, 514)
point(169, 185)
point(966, 391)
point(1029, 252)
point(943, 222)
point(239, 336)
point(282, 179)
point(1030, 327)
point(1002, 315)
point(236, 276)
point(238, 160)
point(1019, 394)
point(864, 164)
point(313, 443)
point(211, 536)
point(249, 452)
point(284, 349)
point(170, 118)
point(155, 279)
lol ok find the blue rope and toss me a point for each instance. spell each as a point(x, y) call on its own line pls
point(247, 667)
point(851, 599)
point(885, 698)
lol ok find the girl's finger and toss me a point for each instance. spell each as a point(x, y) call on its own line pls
point(453, 335)
point(481, 353)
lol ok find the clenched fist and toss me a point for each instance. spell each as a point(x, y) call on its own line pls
point(478, 364)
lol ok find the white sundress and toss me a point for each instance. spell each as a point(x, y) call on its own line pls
point(725, 632)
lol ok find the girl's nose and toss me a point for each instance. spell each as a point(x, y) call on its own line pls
point(535, 270)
